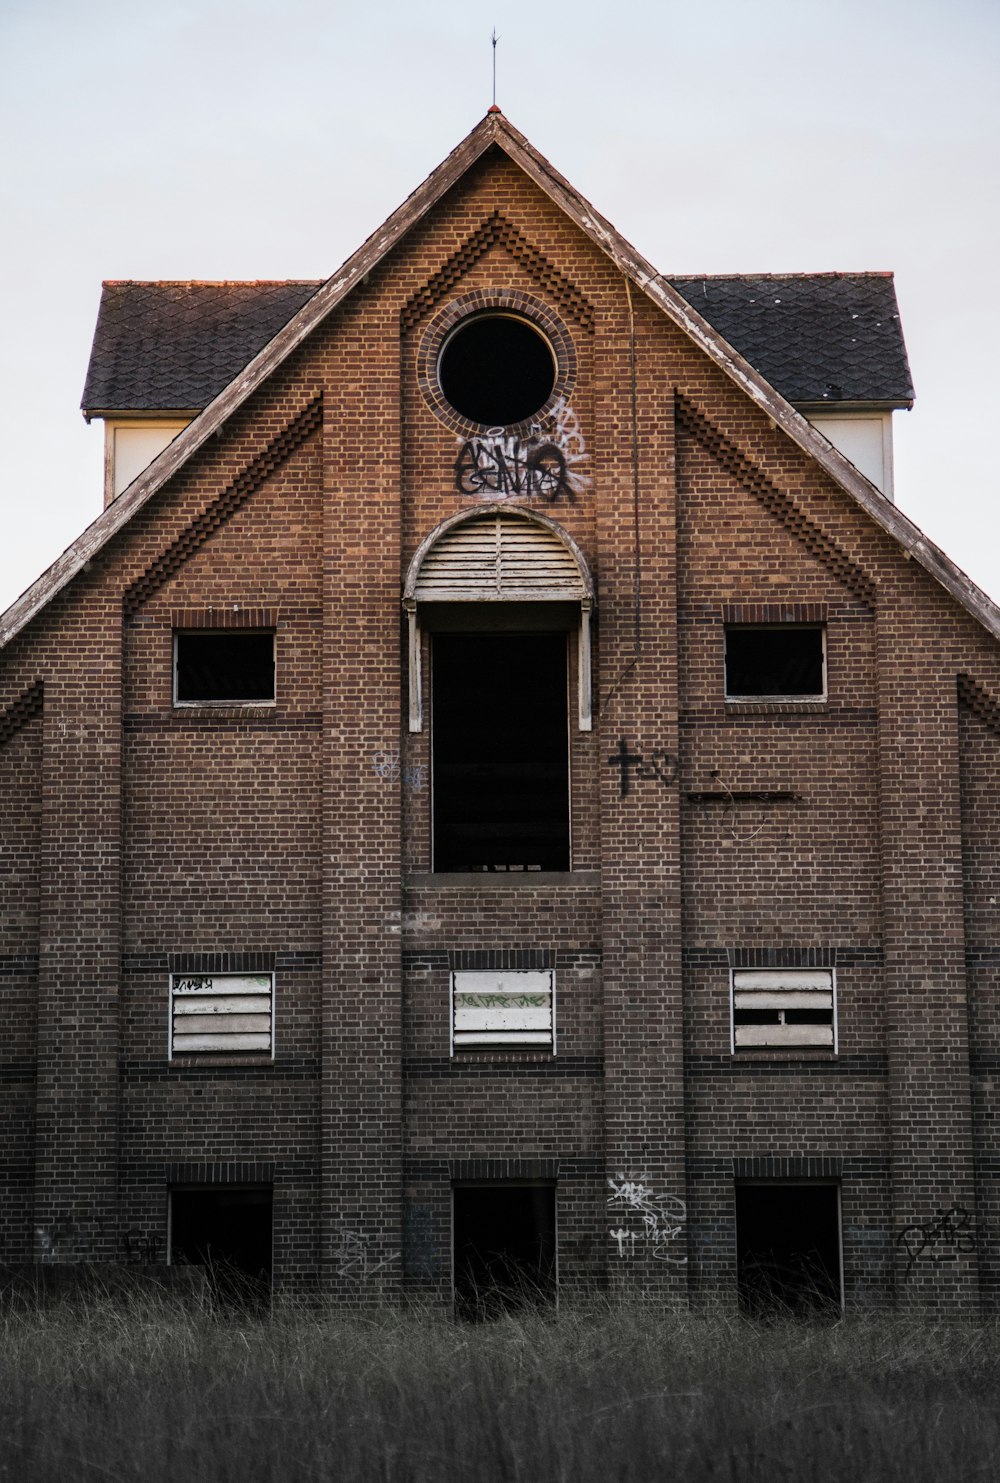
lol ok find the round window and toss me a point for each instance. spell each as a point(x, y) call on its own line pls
point(497, 369)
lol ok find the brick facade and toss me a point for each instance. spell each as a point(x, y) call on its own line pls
point(856, 834)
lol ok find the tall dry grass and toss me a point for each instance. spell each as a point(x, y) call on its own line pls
point(99, 1392)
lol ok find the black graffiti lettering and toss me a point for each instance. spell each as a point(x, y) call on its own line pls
point(140, 1247)
point(661, 765)
point(547, 473)
point(512, 466)
point(943, 1239)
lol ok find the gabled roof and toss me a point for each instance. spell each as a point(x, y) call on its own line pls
point(494, 131)
point(816, 337)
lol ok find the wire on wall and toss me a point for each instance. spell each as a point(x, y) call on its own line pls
point(636, 546)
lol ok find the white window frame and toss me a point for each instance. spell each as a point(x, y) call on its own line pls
point(782, 989)
point(809, 697)
point(203, 995)
point(180, 633)
point(492, 1026)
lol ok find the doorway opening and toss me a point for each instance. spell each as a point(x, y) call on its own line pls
point(505, 1248)
point(788, 1249)
point(501, 751)
point(226, 1230)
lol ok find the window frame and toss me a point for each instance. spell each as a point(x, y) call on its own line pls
point(771, 990)
point(235, 632)
point(807, 697)
point(175, 995)
point(508, 1039)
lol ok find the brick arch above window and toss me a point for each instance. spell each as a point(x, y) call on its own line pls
point(500, 554)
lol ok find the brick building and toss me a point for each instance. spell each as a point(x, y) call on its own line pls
point(501, 796)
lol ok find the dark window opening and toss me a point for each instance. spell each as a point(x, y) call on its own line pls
point(230, 665)
point(501, 752)
point(784, 659)
point(505, 1248)
point(227, 1231)
point(788, 1250)
point(497, 369)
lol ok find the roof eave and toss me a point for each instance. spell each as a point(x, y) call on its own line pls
point(495, 129)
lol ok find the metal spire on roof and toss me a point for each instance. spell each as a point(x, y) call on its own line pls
point(494, 38)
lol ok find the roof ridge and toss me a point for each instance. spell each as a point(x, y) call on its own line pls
point(783, 277)
point(208, 282)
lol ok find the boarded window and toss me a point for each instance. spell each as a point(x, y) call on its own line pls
point(225, 666)
point(501, 752)
point(497, 1007)
point(784, 1007)
point(778, 659)
point(221, 1012)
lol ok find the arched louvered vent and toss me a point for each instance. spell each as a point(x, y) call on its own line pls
point(499, 558)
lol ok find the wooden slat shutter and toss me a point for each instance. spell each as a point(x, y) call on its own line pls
point(499, 558)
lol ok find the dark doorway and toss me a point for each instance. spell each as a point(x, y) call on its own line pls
point(788, 1249)
point(505, 1248)
point(501, 752)
point(228, 1231)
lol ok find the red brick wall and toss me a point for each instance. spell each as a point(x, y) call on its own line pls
point(299, 834)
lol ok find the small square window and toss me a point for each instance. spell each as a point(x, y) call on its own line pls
point(775, 661)
point(225, 666)
point(219, 1013)
point(503, 1007)
point(784, 1008)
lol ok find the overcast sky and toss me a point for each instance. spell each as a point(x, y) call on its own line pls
point(268, 138)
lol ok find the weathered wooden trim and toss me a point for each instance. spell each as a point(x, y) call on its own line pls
point(495, 129)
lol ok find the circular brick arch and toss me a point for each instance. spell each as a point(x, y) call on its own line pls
point(506, 301)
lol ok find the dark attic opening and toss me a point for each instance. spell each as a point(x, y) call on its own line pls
point(505, 1248)
point(227, 1231)
point(777, 660)
point(500, 751)
point(226, 665)
point(788, 1249)
point(497, 369)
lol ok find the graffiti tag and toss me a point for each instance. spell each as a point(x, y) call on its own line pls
point(944, 1239)
point(661, 1219)
point(355, 1260)
point(389, 765)
point(660, 766)
point(544, 465)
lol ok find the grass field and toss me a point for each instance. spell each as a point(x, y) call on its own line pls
point(106, 1392)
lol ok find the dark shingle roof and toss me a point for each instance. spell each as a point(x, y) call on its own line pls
point(176, 345)
point(816, 337)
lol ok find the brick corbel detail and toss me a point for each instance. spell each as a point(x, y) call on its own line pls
point(979, 701)
point(228, 502)
point(21, 711)
point(694, 422)
point(497, 230)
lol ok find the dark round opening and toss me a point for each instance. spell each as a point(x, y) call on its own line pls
point(497, 369)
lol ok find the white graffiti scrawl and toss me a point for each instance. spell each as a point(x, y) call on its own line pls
point(547, 464)
point(648, 1221)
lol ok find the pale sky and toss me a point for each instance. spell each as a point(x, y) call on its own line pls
point(267, 139)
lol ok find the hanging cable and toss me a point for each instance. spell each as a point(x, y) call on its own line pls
point(637, 551)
